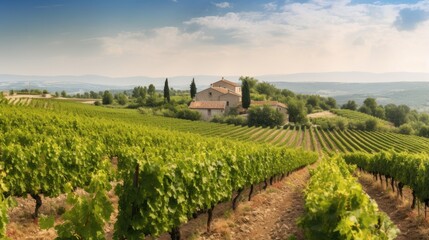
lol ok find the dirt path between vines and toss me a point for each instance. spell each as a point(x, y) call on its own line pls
point(412, 225)
point(271, 214)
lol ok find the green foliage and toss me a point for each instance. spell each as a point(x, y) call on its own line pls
point(193, 90)
point(336, 207)
point(46, 222)
point(188, 114)
point(139, 92)
point(88, 214)
point(297, 112)
point(398, 115)
point(63, 94)
point(424, 131)
point(331, 102)
point(186, 178)
point(5, 204)
point(264, 116)
point(252, 82)
point(267, 89)
point(371, 125)
point(358, 120)
point(406, 129)
point(107, 98)
point(166, 91)
point(408, 169)
point(122, 98)
point(351, 105)
point(235, 120)
point(151, 90)
point(245, 94)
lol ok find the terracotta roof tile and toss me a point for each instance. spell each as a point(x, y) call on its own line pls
point(220, 89)
point(228, 82)
point(208, 105)
point(225, 91)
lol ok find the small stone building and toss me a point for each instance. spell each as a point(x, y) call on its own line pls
point(208, 109)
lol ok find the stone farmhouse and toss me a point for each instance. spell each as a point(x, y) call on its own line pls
point(223, 95)
point(217, 99)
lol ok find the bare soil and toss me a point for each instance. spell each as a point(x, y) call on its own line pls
point(412, 223)
point(271, 214)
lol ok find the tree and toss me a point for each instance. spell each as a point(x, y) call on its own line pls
point(371, 125)
point(297, 111)
point(166, 91)
point(379, 112)
point(107, 98)
point(136, 92)
point(365, 109)
point(122, 98)
point(265, 116)
point(313, 100)
point(250, 80)
point(406, 129)
point(351, 105)
point(267, 89)
point(151, 90)
point(424, 131)
point(63, 94)
point(398, 115)
point(331, 102)
point(193, 89)
point(371, 105)
point(245, 94)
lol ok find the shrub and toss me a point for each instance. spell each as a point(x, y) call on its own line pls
point(265, 116)
point(371, 125)
point(188, 114)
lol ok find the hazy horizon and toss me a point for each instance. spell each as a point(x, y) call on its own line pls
point(222, 38)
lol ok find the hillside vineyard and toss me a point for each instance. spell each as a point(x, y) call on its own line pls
point(164, 176)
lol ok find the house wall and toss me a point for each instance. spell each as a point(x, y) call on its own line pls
point(238, 90)
point(234, 101)
point(205, 113)
point(205, 95)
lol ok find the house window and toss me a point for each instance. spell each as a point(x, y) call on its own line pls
point(209, 112)
point(227, 103)
point(210, 94)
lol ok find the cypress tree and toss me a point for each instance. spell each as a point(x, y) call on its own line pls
point(166, 91)
point(193, 89)
point(245, 94)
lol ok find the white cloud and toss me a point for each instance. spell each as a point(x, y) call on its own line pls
point(223, 5)
point(272, 6)
point(319, 35)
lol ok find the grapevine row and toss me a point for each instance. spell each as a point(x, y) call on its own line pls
point(336, 207)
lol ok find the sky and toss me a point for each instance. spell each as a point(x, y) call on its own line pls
point(162, 38)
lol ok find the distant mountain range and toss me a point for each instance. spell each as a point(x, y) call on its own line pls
point(399, 88)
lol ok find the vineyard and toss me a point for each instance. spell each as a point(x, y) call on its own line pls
point(52, 147)
point(47, 153)
point(360, 117)
point(307, 138)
